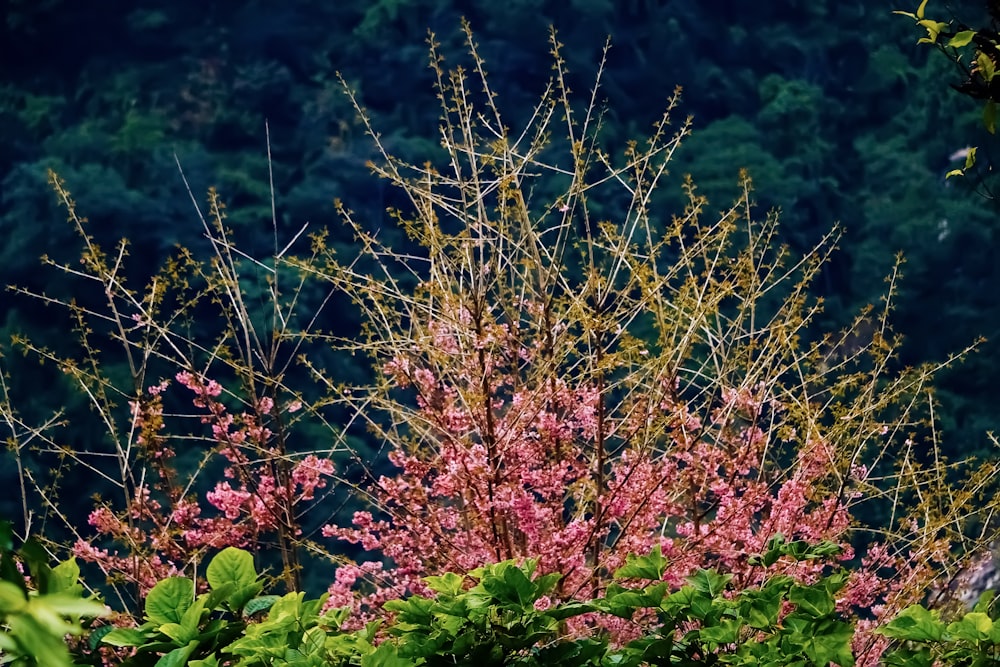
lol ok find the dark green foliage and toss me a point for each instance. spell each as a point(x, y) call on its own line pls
point(181, 627)
point(925, 639)
point(501, 615)
point(37, 613)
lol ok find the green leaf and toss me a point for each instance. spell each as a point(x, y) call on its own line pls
point(974, 627)
point(447, 584)
point(707, 581)
point(36, 640)
point(178, 657)
point(64, 576)
point(762, 609)
point(386, 655)
point(231, 566)
point(313, 641)
point(962, 38)
point(259, 604)
point(649, 567)
point(70, 605)
point(192, 618)
point(920, 9)
point(97, 634)
point(915, 623)
point(990, 116)
point(726, 632)
point(12, 598)
point(177, 632)
point(830, 643)
point(985, 66)
point(125, 637)
point(933, 29)
point(546, 583)
point(970, 158)
point(813, 601)
point(522, 586)
point(169, 599)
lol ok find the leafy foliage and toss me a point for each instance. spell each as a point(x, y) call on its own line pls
point(181, 628)
point(502, 614)
point(926, 639)
point(39, 605)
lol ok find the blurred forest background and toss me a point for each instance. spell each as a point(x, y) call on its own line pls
point(832, 107)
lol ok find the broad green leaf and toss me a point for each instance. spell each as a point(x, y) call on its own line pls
point(915, 623)
point(313, 641)
point(386, 655)
point(906, 656)
point(447, 584)
point(8, 645)
point(726, 632)
point(97, 634)
point(772, 551)
point(649, 567)
point(570, 609)
point(169, 599)
point(192, 618)
point(974, 626)
point(702, 604)
point(33, 638)
point(259, 604)
point(762, 610)
point(46, 616)
point(990, 116)
point(178, 657)
point(231, 566)
point(64, 576)
point(177, 632)
point(125, 637)
point(709, 582)
point(217, 596)
point(962, 38)
point(70, 605)
point(521, 585)
point(830, 643)
point(651, 596)
point(12, 598)
point(546, 583)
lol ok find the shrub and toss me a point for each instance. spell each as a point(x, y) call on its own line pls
point(504, 618)
point(562, 373)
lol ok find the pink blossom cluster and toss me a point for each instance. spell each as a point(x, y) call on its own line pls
point(509, 468)
point(163, 529)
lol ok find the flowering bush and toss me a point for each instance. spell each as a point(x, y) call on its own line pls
point(160, 539)
point(561, 372)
